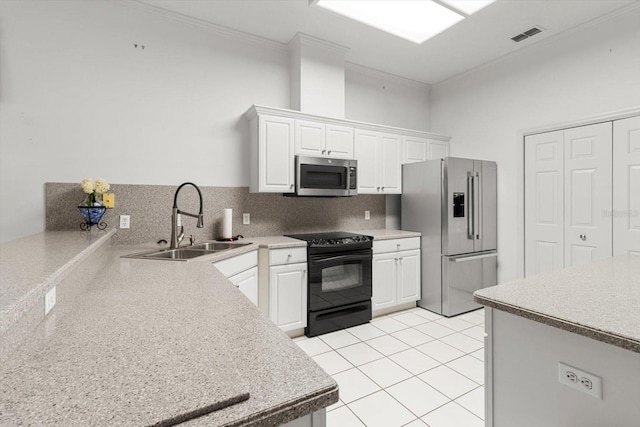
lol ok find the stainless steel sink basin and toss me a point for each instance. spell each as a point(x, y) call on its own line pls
point(188, 252)
point(218, 246)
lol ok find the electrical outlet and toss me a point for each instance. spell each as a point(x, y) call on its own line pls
point(367, 214)
point(49, 300)
point(246, 218)
point(125, 221)
point(580, 380)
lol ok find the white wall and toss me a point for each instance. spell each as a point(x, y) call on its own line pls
point(78, 99)
point(580, 74)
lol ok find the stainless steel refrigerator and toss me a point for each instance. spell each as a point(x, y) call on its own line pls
point(453, 203)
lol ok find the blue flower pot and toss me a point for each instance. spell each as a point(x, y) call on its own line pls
point(91, 214)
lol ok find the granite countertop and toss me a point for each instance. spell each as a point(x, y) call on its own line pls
point(600, 300)
point(147, 341)
point(382, 234)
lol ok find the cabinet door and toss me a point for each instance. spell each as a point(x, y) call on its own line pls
point(310, 138)
point(339, 142)
point(626, 186)
point(408, 276)
point(390, 164)
point(587, 196)
point(276, 157)
point(544, 202)
point(288, 296)
point(384, 278)
point(247, 282)
point(414, 149)
point(437, 149)
point(366, 148)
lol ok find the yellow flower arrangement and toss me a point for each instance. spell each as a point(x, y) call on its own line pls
point(93, 190)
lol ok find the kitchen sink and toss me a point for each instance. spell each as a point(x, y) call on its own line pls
point(187, 252)
point(218, 246)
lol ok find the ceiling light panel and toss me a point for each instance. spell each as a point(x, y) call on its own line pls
point(413, 20)
point(468, 7)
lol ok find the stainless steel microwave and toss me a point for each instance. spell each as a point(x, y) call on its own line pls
point(326, 177)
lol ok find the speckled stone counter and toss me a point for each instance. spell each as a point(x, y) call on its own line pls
point(382, 234)
point(150, 340)
point(600, 300)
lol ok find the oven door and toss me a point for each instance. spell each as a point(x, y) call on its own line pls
point(338, 279)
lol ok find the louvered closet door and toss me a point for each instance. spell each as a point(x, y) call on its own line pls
point(626, 186)
point(588, 200)
point(544, 200)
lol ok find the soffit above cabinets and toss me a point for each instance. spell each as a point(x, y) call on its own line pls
point(479, 39)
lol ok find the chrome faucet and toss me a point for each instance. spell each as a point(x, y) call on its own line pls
point(175, 237)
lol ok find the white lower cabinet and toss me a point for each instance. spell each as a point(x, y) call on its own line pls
point(283, 287)
point(242, 271)
point(395, 273)
point(288, 296)
point(247, 282)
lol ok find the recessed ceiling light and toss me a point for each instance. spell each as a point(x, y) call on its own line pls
point(413, 20)
point(468, 7)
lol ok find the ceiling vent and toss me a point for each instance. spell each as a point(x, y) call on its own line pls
point(525, 35)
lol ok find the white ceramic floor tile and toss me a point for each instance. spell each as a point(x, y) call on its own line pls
point(476, 332)
point(381, 410)
point(388, 324)
point(313, 346)
point(462, 342)
point(354, 384)
point(435, 330)
point(479, 354)
point(429, 315)
point(388, 345)
point(412, 337)
point(440, 351)
point(470, 367)
point(473, 401)
point(410, 319)
point(454, 323)
point(343, 417)
point(339, 339)
point(476, 317)
point(336, 405)
point(359, 354)
point(416, 423)
point(414, 361)
point(452, 415)
point(365, 332)
point(385, 372)
point(417, 396)
point(448, 382)
point(332, 362)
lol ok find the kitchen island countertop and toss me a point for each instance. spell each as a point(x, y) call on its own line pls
point(599, 300)
point(150, 340)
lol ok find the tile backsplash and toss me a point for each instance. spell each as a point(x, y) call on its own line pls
point(149, 208)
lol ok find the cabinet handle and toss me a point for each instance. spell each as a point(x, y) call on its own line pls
point(329, 152)
point(382, 188)
point(583, 237)
point(378, 188)
point(291, 186)
point(237, 285)
point(324, 151)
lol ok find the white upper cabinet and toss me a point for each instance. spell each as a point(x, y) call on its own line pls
point(316, 139)
point(417, 149)
point(278, 135)
point(379, 159)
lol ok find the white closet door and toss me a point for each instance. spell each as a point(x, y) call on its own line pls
point(544, 202)
point(587, 183)
point(626, 186)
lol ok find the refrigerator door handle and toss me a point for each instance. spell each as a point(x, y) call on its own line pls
point(470, 206)
point(464, 258)
point(477, 198)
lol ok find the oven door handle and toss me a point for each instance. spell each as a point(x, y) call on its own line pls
point(342, 257)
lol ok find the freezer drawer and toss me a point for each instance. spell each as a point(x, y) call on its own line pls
point(462, 275)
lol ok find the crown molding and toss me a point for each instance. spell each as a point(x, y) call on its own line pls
point(303, 39)
point(381, 75)
point(202, 24)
